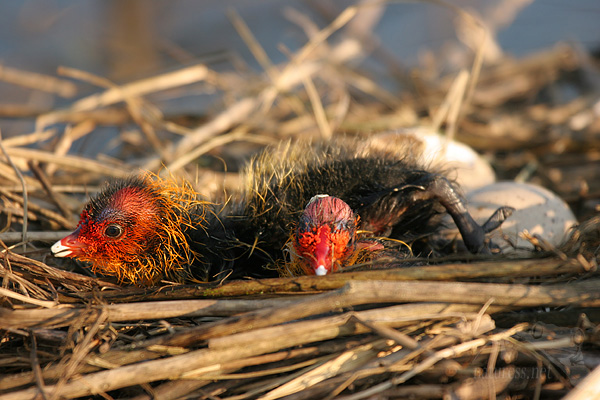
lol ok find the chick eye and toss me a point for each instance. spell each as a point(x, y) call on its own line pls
point(113, 231)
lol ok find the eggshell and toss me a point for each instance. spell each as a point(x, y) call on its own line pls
point(460, 162)
point(537, 211)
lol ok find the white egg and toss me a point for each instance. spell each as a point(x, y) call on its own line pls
point(538, 212)
point(460, 162)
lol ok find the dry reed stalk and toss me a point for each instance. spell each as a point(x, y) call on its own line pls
point(321, 390)
point(88, 189)
point(119, 358)
point(378, 366)
point(251, 42)
point(65, 315)
point(328, 328)
point(176, 366)
point(430, 361)
point(218, 141)
point(369, 86)
point(69, 162)
point(9, 174)
point(383, 366)
point(423, 391)
point(450, 107)
point(312, 284)
point(28, 139)
point(172, 390)
point(235, 114)
point(314, 354)
point(56, 198)
point(139, 88)
point(345, 362)
point(293, 74)
point(396, 362)
point(39, 272)
point(222, 122)
point(566, 317)
point(25, 299)
point(318, 110)
point(520, 77)
point(363, 293)
point(25, 193)
point(93, 363)
point(21, 111)
point(68, 366)
point(64, 143)
point(589, 388)
point(512, 295)
point(354, 293)
point(478, 388)
point(27, 287)
point(37, 81)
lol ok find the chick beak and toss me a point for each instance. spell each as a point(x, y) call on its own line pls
point(68, 246)
point(322, 260)
point(321, 270)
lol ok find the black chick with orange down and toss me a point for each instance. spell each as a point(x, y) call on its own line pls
point(393, 194)
point(143, 229)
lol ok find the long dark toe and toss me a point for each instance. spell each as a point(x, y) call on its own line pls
point(497, 218)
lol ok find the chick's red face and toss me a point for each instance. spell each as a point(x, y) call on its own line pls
point(322, 249)
point(325, 235)
point(114, 227)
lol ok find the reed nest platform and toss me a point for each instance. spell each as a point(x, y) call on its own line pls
point(464, 327)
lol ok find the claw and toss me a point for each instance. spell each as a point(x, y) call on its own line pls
point(497, 218)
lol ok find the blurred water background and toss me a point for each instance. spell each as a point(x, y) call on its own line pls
point(123, 40)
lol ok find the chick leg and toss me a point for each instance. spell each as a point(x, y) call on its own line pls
point(438, 188)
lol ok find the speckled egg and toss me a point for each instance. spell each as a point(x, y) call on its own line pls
point(538, 211)
point(460, 162)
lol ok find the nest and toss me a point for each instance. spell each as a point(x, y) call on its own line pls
point(464, 328)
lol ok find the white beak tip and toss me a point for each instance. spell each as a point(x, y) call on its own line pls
point(321, 271)
point(58, 250)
